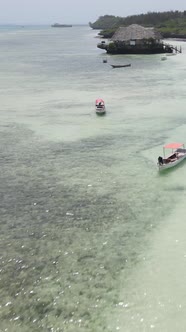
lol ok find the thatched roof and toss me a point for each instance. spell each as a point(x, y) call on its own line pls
point(135, 31)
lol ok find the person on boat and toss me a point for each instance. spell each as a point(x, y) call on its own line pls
point(160, 160)
point(100, 105)
point(172, 158)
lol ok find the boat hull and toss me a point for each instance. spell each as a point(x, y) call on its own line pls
point(171, 164)
point(100, 111)
point(120, 66)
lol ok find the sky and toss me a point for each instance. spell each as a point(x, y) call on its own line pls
point(78, 11)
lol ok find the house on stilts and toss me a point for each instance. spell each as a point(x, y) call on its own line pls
point(136, 39)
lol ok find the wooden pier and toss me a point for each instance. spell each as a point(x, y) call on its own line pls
point(174, 48)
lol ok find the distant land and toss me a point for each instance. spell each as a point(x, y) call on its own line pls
point(171, 24)
point(58, 25)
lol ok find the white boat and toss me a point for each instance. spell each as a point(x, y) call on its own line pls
point(100, 106)
point(178, 154)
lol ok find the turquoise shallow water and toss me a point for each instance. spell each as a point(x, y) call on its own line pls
point(92, 237)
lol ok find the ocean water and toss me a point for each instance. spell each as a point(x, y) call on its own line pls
point(92, 236)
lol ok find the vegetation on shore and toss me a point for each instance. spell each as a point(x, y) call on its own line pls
point(171, 24)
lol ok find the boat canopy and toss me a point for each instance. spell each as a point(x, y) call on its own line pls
point(173, 145)
point(99, 100)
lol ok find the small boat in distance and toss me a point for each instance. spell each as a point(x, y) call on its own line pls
point(57, 25)
point(120, 66)
point(100, 106)
point(163, 58)
point(178, 155)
